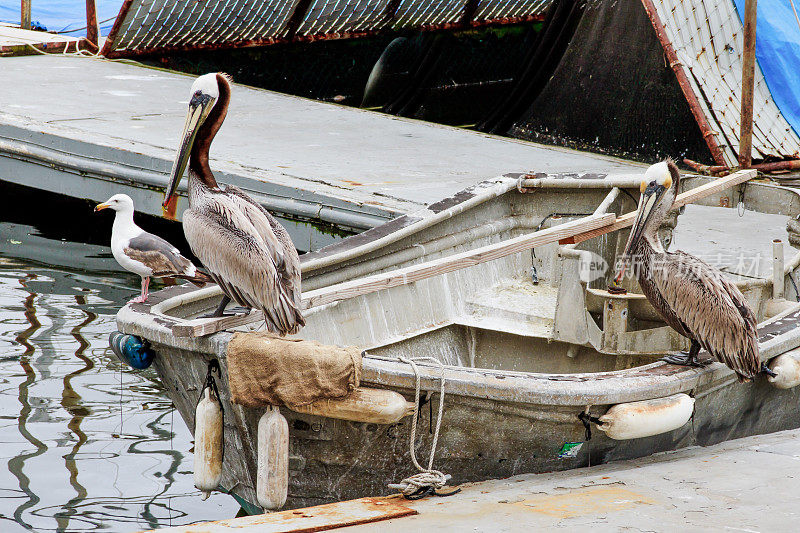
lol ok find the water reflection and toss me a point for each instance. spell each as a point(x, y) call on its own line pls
point(89, 444)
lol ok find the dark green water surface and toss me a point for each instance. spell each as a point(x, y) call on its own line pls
point(85, 443)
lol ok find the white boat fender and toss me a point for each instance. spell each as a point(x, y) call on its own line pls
point(787, 369)
point(635, 420)
point(376, 406)
point(208, 436)
point(272, 473)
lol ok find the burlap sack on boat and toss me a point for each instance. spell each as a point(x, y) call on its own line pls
point(267, 370)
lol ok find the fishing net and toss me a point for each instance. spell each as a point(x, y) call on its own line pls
point(451, 77)
point(613, 91)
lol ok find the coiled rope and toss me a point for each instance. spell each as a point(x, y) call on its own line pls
point(427, 480)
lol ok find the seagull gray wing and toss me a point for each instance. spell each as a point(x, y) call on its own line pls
point(159, 256)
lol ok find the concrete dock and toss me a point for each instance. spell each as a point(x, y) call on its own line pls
point(89, 128)
point(748, 484)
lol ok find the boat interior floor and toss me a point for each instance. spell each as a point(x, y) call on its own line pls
point(736, 244)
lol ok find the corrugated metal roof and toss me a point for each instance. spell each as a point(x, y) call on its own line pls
point(152, 25)
point(707, 37)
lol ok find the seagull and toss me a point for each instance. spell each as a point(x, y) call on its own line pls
point(144, 253)
point(245, 250)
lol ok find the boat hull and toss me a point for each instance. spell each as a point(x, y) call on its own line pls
point(333, 460)
point(528, 342)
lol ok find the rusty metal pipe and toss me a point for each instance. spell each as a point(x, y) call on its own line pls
point(790, 164)
point(112, 35)
point(705, 169)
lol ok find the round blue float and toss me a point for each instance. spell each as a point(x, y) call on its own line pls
point(131, 350)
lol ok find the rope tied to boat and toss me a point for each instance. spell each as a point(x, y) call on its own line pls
point(586, 418)
point(426, 480)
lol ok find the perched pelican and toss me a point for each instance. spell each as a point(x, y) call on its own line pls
point(144, 253)
point(694, 298)
point(247, 252)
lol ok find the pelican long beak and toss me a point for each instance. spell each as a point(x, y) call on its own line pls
point(647, 202)
point(199, 108)
point(100, 207)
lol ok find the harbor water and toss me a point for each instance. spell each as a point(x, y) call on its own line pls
point(87, 443)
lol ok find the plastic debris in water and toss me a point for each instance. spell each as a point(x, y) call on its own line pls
point(131, 350)
point(570, 450)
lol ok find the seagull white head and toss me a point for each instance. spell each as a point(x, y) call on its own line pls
point(203, 96)
point(118, 202)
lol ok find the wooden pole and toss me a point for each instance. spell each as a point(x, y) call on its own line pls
point(25, 17)
point(748, 81)
point(91, 22)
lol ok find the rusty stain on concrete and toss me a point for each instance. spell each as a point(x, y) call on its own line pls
point(586, 501)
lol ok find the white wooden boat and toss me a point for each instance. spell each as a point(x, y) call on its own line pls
point(529, 339)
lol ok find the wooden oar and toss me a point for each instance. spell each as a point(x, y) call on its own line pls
point(571, 232)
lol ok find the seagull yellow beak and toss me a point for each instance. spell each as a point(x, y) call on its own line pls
point(100, 207)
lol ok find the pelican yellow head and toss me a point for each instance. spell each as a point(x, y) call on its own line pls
point(658, 179)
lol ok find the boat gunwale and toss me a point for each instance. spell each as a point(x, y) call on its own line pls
point(653, 380)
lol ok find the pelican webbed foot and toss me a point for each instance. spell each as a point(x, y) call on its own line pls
point(686, 358)
point(220, 310)
point(767, 370)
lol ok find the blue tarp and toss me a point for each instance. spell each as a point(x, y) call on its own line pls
point(778, 53)
point(63, 15)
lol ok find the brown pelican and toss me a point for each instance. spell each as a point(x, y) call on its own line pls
point(144, 253)
point(694, 298)
point(247, 252)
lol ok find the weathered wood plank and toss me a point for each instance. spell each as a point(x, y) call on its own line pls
point(407, 275)
point(490, 252)
point(684, 198)
point(318, 518)
point(201, 327)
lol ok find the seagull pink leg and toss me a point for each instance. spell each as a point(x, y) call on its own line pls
point(143, 297)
